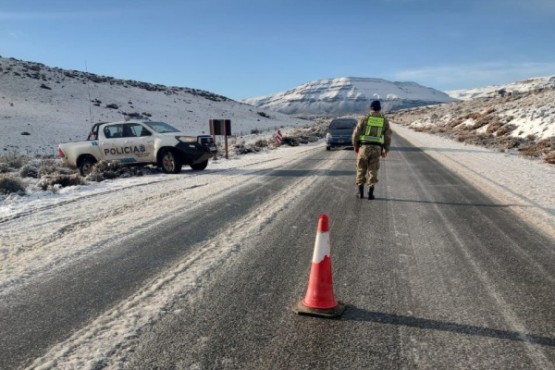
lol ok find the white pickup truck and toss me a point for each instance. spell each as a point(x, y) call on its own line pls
point(139, 142)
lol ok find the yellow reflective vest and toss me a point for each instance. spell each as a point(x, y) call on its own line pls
point(373, 133)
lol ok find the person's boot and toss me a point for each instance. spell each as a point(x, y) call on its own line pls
point(371, 193)
point(361, 191)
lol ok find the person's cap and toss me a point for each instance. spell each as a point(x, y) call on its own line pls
point(375, 105)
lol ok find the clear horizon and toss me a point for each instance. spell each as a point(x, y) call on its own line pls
point(247, 48)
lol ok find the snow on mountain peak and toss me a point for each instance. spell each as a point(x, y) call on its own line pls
point(345, 95)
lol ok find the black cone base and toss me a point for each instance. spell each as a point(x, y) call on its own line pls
point(328, 313)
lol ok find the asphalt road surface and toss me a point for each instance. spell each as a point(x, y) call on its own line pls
point(435, 275)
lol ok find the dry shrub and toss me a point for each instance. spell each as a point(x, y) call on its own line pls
point(464, 136)
point(4, 168)
point(506, 130)
point(463, 128)
point(543, 147)
point(30, 169)
point(474, 115)
point(13, 161)
point(494, 126)
point(261, 143)
point(508, 142)
point(454, 123)
point(60, 180)
point(245, 149)
point(53, 167)
point(108, 170)
point(437, 130)
point(550, 158)
point(480, 140)
point(10, 185)
point(486, 120)
point(421, 129)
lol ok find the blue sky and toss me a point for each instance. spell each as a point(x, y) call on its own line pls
point(248, 48)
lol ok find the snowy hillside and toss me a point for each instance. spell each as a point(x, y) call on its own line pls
point(531, 84)
point(520, 118)
point(42, 106)
point(349, 95)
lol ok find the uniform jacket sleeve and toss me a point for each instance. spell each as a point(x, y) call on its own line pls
point(387, 134)
point(358, 130)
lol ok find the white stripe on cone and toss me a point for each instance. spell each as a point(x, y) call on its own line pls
point(321, 247)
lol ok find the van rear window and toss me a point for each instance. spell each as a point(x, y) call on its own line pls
point(343, 123)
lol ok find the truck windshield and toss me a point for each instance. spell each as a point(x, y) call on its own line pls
point(161, 127)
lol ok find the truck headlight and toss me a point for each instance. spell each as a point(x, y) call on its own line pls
point(187, 139)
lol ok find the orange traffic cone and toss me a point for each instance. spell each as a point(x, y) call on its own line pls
point(319, 299)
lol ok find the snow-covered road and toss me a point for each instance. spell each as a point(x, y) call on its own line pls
point(44, 232)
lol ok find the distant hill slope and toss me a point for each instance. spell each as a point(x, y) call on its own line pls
point(349, 95)
point(530, 84)
point(519, 116)
point(41, 106)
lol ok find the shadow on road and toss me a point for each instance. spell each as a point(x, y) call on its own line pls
point(428, 149)
point(353, 313)
point(493, 205)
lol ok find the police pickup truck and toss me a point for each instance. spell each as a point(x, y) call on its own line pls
point(139, 142)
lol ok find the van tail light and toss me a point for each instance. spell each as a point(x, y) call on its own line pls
point(61, 153)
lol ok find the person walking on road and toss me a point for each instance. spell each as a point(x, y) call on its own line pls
point(371, 140)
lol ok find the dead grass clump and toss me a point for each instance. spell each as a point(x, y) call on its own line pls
point(480, 140)
point(30, 169)
point(421, 129)
point(464, 136)
point(494, 126)
point(4, 168)
point(474, 116)
point(505, 130)
point(541, 148)
point(245, 149)
point(508, 142)
point(10, 185)
point(13, 161)
point(486, 120)
point(261, 143)
point(454, 123)
point(108, 170)
point(52, 182)
point(53, 167)
point(489, 111)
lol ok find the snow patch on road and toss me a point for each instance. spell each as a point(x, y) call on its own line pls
point(106, 341)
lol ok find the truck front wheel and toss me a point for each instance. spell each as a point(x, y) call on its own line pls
point(170, 162)
point(85, 165)
point(200, 166)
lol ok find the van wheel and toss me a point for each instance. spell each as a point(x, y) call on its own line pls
point(328, 147)
point(169, 162)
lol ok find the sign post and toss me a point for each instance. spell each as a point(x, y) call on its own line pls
point(221, 127)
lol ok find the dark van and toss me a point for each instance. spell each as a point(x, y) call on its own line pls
point(340, 132)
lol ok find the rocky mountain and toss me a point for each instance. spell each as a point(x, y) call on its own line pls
point(41, 106)
point(349, 95)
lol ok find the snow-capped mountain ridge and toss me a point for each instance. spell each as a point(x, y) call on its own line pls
point(348, 95)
